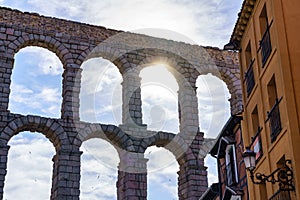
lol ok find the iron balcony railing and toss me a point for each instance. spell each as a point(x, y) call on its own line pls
point(249, 78)
point(265, 45)
point(281, 195)
point(274, 120)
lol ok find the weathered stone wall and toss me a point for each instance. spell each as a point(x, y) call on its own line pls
point(75, 43)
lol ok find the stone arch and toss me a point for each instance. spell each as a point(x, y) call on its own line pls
point(181, 69)
point(157, 83)
point(100, 152)
point(191, 167)
point(110, 133)
point(229, 74)
point(177, 65)
point(25, 161)
point(47, 42)
point(107, 52)
point(171, 142)
point(163, 164)
point(169, 62)
point(99, 69)
point(48, 127)
point(232, 79)
point(38, 71)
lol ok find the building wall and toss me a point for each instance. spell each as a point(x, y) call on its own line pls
point(241, 186)
point(283, 63)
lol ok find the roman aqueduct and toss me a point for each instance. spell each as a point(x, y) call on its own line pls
point(75, 43)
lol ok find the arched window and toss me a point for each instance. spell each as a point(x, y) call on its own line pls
point(162, 171)
point(101, 92)
point(29, 168)
point(99, 163)
point(159, 99)
point(36, 83)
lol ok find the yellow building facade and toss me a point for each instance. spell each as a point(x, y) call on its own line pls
point(267, 34)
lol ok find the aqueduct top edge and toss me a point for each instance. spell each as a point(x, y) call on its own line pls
point(94, 34)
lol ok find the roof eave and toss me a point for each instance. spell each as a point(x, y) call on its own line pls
point(241, 25)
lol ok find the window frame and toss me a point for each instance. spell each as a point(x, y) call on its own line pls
point(231, 164)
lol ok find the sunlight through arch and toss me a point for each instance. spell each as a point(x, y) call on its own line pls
point(101, 92)
point(99, 164)
point(159, 99)
point(162, 168)
point(29, 173)
point(36, 83)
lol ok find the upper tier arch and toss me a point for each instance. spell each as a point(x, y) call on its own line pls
point(75, 42)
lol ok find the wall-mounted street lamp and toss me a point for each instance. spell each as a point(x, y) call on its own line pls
point(283, 175)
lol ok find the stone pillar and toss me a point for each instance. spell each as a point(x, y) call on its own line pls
point(131, 98)
point(188, 112)
point(3, 165)
point(236, 104)
point(66, 175)
point(132, 177)
point(70, 93)
point(6, 66)
point(192, 179)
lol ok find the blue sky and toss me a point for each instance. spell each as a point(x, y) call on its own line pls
point(36, 89)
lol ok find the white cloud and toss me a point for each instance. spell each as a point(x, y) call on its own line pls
point(98, 74)
point(162, 174)
point(29, 163)
point(209, 23)
point(213, 104)
point(45, 101)
point(159, 107)
point(101, 92)
point(45, 61)
point(159, 98)
point(98, 170)
point(212, 175)
point(49, 95)
point(36, 83)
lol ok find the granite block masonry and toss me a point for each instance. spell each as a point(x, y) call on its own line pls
point(74, 43)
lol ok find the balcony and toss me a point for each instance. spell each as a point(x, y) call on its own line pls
point(274, 120)
point(249, 78)
point(265, 45)
point(281, 195)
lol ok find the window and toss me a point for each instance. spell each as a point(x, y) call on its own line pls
point(272, 91)
point(248, 55)
point(257, 146)
point(263, 20)
point(273, 114)
point(231, 168)
point(249, 75)
point(265, 43)
point(256, 139)
point(255, 120)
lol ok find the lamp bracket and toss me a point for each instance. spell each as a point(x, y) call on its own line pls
point(284, 176)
